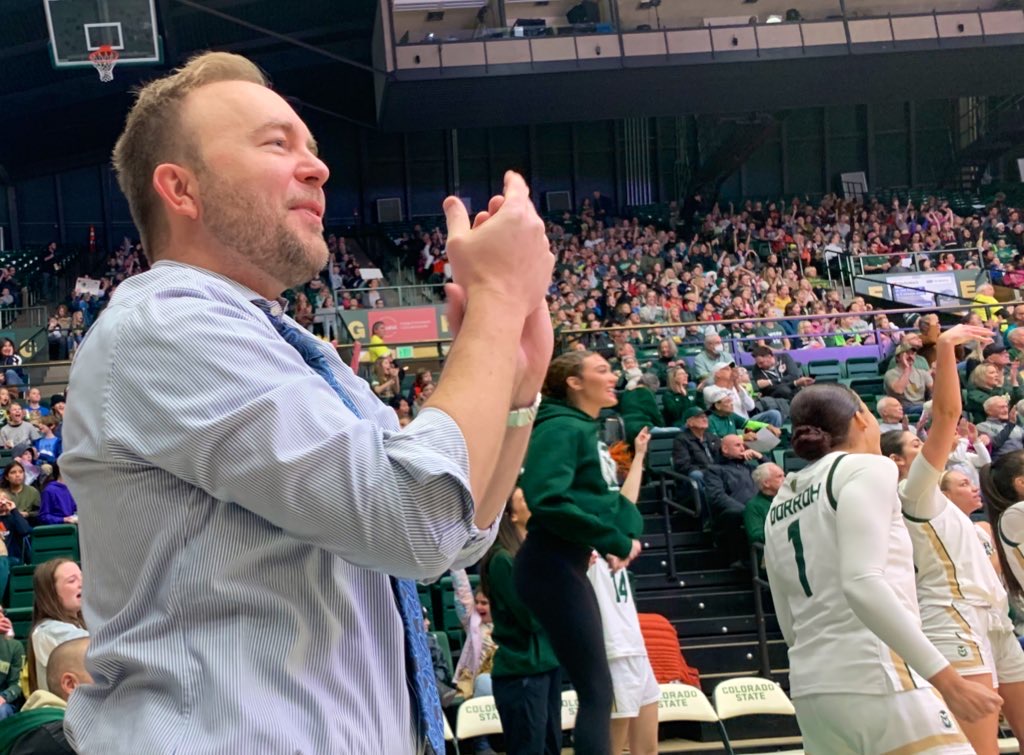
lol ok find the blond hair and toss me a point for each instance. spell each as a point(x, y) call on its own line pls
point(153, 135)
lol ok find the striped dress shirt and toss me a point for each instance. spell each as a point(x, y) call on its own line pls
point(238, 524)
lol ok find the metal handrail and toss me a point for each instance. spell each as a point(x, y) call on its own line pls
point(760, 583)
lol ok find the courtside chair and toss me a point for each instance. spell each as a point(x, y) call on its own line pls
point(54, 540)
point(752, 696)
point(477, 717)
point(570, 704)
point(683, 702)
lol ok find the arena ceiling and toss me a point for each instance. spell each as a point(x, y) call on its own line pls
point(52, 119)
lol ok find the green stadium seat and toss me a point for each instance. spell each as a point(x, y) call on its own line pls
point(791, 462)
point(20, 593)
point(442, 642)
point(21, 618)
point(449, 618)
point(54, 540)
point(857, 366)
point(868, 386)
point(825, 370)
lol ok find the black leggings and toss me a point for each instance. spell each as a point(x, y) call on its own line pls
point(551, 579)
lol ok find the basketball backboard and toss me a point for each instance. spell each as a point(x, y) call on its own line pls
point(79, 27)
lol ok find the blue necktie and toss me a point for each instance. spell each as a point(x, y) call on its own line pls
point(419, 667)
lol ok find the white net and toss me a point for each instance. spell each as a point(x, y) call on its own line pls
point(104, 60)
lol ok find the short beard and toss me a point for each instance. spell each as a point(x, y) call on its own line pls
point(246, 224)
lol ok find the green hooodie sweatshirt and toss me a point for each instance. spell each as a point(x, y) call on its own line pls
point(523, 646)
point(571, 486)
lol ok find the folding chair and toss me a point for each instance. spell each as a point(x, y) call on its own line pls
point(752, 696)
point(477, 717)
point(570, 704)
point(681, 702)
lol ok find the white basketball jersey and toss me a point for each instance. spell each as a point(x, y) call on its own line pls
point(951, 562)
point(832, 652)
point(622, 635)
point(1011, 538)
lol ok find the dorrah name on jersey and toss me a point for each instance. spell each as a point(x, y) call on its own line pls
point(794, 505)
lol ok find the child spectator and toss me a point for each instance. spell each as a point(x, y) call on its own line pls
point(56, 615)
point(48, 446)
point(13, 484)
point(33, 406)
point(56, 505)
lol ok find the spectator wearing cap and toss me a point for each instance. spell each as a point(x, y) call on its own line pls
point(676, 400)
point(994, 353)
point(728, 485)
point(768, 478)
point(723, 419)
point(986, 381)
point(17, 431)
point(638, 407)
point(696, 448)
point(726, 377)
point(777, 375)
point(906, 381)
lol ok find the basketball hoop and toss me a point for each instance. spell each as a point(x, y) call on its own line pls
point(104, 59)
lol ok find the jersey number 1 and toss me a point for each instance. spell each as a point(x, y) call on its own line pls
point(798, 548)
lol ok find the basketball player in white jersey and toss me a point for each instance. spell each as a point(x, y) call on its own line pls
point(840, 565)
point(964, 608)
point(636, 691)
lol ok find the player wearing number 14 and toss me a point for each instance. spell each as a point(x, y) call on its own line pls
point(840, 565)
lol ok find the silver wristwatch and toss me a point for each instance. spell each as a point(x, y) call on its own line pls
point(524, 417)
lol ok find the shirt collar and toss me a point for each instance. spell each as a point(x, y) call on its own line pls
point(276, 307)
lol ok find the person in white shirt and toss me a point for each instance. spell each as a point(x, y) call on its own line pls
point(635, 715)
point(841, 571)
point(970, 452)
point(964, 608)
point(727, 376)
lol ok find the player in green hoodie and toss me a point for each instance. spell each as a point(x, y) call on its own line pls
point(577, 505)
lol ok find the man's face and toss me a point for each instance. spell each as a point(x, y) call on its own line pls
point(1000, 358)
point(770, 485)
point(700, 422)
point(732, 447)
point(33, 395)
point(765, 362)
point(260, 183)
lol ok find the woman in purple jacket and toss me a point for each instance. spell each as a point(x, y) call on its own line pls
point(56, 506)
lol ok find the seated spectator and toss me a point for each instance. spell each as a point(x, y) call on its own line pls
point(695, 448)
point(729, 484)
point(723, 419)
point(809, 339)
point(33, 406)
point(17, 431)
point(56, 615)
point(48, 447)
point(25, 497)
point(970, 452)
point(1000, 426)
point(41, 724)
point(303, 312)
point(1015, 340)
point(630, 374)
point(10, 363)
point(890, 414)
point(727, 377)
point(402, 410)
point(14, 534)
point(422, 379)
point(56, 505)
point(12, 661)
point(387, 379)
point(996, 354)
point(985, 295)
point(668, 357)
point(57, 339)
point(906, 381)
point(639, 407)
point(777, 375)
point(26, 454)
point(713, 354)
point(986, 381)
point(77, 332)
point(676, 400)
point(768, 479)
point(57, 410)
